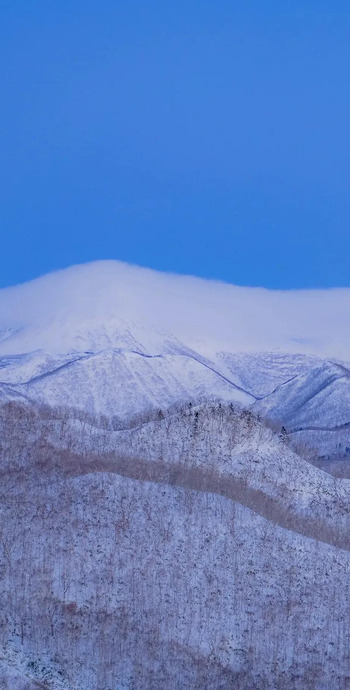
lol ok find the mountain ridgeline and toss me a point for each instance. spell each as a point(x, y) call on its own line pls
point(175, 508)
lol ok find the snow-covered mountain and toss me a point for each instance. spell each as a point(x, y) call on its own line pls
point(159, 528)
point(196, 550)
point(116, 340)
point(109, 304)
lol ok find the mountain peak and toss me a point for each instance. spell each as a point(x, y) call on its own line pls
point(94, 306)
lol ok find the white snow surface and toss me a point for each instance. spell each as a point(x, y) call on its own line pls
point(112, 339)
point(187, 548)
point(111, 304)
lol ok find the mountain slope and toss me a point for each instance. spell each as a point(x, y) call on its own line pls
point(157, 530)
point(108, 304)
point(193, 551)
point(121, 384)
point(314, 409)
point(118, 340)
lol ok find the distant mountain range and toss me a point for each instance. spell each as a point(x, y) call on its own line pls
point(116, 340)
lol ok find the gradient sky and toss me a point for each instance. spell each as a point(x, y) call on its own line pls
point(201, 137)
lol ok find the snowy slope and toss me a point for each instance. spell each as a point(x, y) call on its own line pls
point(117, 340)
point(318, 398)
point(120, 384)
point(109, 304)
point(148, 542)
point(314, 408)
point(192, 551)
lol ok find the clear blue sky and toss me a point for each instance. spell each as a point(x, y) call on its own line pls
point(194, 136)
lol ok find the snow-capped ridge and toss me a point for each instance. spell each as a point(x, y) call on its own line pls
point(319, 397)
point(104, 304)
point(116, 340)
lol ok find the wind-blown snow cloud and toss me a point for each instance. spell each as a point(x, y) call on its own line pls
point(93, 306)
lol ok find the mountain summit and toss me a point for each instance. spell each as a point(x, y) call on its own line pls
point(111, 304)
point(165, 517)
point(116, 341)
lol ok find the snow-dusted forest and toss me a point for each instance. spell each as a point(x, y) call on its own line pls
point(166, 519)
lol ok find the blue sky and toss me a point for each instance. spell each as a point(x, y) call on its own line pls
point(195, 137)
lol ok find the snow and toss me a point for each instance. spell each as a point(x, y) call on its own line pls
point(115, 340)
point(192, 551)
point(120, 384)
point(151, 543)
point(111, 304)
point(321, 393)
